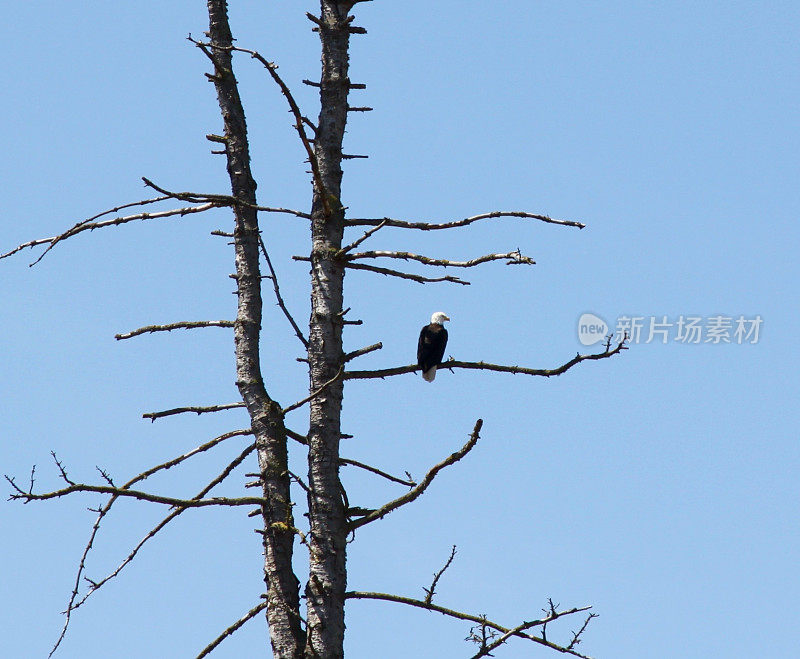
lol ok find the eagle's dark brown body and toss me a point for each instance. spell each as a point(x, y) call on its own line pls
point(430, 349)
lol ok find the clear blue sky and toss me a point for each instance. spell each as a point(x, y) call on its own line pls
point(660, 486)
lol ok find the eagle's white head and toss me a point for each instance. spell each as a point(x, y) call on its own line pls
point(439, 317)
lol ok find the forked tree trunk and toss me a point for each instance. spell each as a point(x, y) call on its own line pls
point(327, 540)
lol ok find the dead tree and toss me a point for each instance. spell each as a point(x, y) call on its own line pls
point(317, 628)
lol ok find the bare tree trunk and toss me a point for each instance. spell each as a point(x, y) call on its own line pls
point(327, 543)
point(286, 634)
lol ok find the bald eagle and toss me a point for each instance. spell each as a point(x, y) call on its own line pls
point(432, 342)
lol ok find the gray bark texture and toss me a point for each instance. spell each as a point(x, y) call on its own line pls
point(325, 589)
point(283, 605)
point(327, 540)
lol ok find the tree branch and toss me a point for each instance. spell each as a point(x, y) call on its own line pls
point(285, 211)
point(133, 494)
point(95, 585)
point(221, 199)
point(413, 494)
point(362, 351)
point(173, 326)
point(374, 470)
point(485, 366)
point(125, 491)
point(91, 226)
point(511, 258)
point(193, 197)
point(356, 243)
point(102, 512)
point(311, 396)
point(143, 202)
point(428, 226)
point(296, 436)
point(197, 410)
point(396, 273)
point(481, 620)
point(568, 649)
point(252, 613)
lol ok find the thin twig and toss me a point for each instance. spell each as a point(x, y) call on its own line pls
point(225, 472)
point(356, 243)
point(61, 469)
point(300, 482)
point(278, 296)
point(252, 613)
point(296, 436)
point(310, 397)
point(413, 494)
point(402, 275)
point(174, 326)
point(375, 470)
point(362, 351)
point(576, 636)
point(430, 592)
point(302, 439)
point(105, 476)
point(286, 211)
